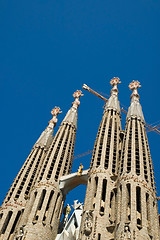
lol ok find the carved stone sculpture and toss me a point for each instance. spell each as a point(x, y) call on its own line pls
point(88, 222)
point(20, 234)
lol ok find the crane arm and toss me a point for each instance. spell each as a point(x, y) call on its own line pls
point(94, 92)
point(148, 126)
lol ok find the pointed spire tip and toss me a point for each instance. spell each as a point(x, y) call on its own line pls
point(113, 102)
point(133, 86)
point(135, 109)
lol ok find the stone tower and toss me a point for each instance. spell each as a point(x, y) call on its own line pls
point(120, 201)
point(43, 210)
point(137, 213)
point(17, 197)
point(98, 220)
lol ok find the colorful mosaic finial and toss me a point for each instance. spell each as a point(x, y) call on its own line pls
point(55, 111)
point(135, 109)
point(133, 86)
point(114, 82)
point(77, 95)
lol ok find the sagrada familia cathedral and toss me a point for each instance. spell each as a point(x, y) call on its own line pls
point(120, 201)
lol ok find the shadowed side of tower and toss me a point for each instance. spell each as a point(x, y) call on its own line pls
point(17, 197)
point(98, 219)
point(43, 211)
point(137, 212)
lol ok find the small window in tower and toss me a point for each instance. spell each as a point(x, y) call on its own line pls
point(99, 236)
point(138, 199)
point(15, 222)
point(5, 225)
point(1, 215)
point(96, 184)
point(42, 199)
point(147, 205)
point(104, 188)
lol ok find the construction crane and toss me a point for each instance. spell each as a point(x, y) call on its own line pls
point(149, 128)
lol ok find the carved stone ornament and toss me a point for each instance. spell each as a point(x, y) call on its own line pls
point(115, 81)
point(134, 85)
point(20, 234)
point(77, 95)
point(55, 111)
point(126, 234)
point(88, 222)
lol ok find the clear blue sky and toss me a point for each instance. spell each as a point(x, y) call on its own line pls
point(49, 48)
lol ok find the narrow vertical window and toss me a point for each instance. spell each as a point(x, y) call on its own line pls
point(137, 148)
point(108, 144)
point(95, 145)
point(48, 205)
point(120, 201)
point(104, 189)
point(138, 205)
point(15, 222)
point(101, 143)
point(42, 199)
point(5, 225)
point(114, 149)
point(129, 201)
point(40, 205)
point(129, 149)
point(103, 196)
point(58, 195)
point(96, 184)
point(99, 236)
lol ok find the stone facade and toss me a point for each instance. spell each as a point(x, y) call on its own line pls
point(99, 215)
point(120, 201)
point(121, 204)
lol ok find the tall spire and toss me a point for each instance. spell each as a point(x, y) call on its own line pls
point(46, 199)
point(71, 116)
point(135, 109)
point(136, 196)
point(46, 137)
point(113, 102)
point(18, 195)
point(100, 199)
